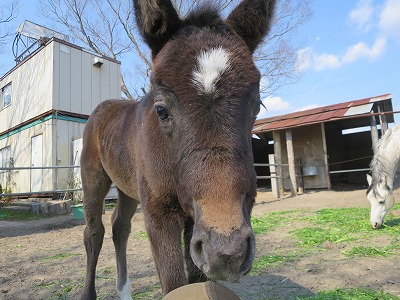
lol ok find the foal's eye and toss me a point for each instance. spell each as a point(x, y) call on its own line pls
point(382, 202)
point(162, 112)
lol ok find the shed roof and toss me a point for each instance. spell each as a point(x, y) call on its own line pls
point(350, 111)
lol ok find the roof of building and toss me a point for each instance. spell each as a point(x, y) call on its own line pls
point(44, 43)
point(351, 112)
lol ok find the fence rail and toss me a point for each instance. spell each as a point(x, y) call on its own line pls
point(68, 190)
point(38, 168)
point(46, 192)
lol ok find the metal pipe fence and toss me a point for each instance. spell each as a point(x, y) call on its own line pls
point(70, 189)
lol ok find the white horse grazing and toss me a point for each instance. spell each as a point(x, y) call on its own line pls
point(383, 169)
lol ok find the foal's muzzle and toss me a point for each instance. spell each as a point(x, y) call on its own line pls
point(226, 256)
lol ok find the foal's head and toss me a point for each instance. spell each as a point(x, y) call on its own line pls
point(206, 98)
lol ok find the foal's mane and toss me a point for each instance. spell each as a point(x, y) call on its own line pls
point(205, 14)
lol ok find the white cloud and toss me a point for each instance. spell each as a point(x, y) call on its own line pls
point(307, 107)
point(361, 50)
point(275, 103)
point(304, 59)
point(272, 106)
point(307, 58)
point(326, 61)
point(389, 19)
point(362, 14)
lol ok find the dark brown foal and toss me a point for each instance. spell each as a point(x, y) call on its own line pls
point(184, 151)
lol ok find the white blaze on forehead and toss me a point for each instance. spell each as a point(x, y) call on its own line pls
point(211, 65)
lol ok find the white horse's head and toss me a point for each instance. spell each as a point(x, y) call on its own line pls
point(380, 196)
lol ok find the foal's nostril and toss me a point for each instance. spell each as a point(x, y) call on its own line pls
point(198, 248)
point(248, 260)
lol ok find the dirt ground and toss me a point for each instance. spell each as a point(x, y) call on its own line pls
point(44, 259)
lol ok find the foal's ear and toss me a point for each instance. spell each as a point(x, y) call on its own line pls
point(157, 21)
point(252, 19)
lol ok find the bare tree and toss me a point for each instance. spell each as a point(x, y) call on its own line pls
point(108, 27)
point(277, 56)
point(8, 12)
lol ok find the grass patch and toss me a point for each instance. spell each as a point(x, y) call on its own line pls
point(351, 294)
point(11, 215)
point(315, 236)
point(333, 226)
point(273, 220)
point(105, 273)
point(264, 262)
point(371, 251)
point(142, 234)
point(345, 225)
point(60, 256)
point(356, 220)
point(149, 293)
point(60, 288)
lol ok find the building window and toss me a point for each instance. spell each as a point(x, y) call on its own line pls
point(5, 96)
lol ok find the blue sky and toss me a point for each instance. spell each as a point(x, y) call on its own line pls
point(351, 50)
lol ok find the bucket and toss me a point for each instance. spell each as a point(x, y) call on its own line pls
point(77, 212)
point(310, 171)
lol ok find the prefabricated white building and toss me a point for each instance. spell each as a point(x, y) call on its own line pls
point(45, 102)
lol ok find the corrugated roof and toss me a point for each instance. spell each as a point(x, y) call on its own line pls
point(317, 115)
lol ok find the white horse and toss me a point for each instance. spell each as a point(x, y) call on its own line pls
point(384, 165)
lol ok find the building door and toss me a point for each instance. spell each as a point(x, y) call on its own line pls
point(36, 161)
point(5, 176)
point(76, 161)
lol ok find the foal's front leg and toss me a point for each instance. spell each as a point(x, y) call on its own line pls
point(94, 231)
point(121, 228)
point(164, 230)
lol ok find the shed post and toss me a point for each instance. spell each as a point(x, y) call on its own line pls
point(382, 119)
point(274, 179)
point(328, 177)
point(374, 133)
point(278, 161)
point(300, 175)
point(292, 169)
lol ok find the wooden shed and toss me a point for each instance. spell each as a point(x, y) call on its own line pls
point(320, 147)
point(45, 101)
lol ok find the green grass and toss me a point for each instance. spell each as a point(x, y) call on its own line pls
point(315, 236)
point(371, 251)
point(346, 226)
point(264, 262)
point(60, 288)
point(10, 215)
point(343, 225)
point(351, 294)
point(142, 234)
point(149, 293)
point(273, 220)
point(105, 273)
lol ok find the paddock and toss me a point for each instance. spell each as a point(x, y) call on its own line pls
point(44, 259)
